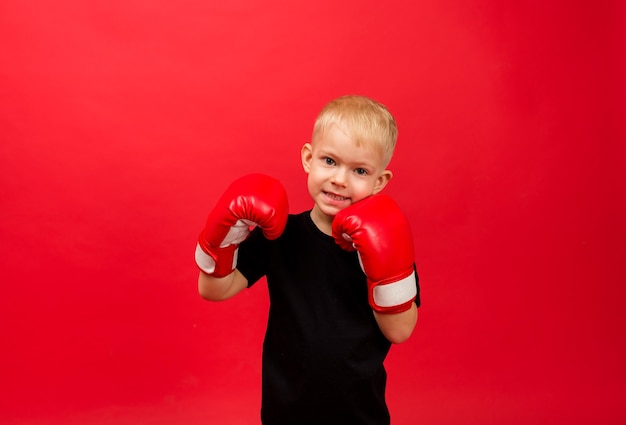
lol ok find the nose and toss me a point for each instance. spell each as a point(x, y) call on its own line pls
point(339, 177)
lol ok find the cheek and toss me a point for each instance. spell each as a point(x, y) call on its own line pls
point(313, 181)
point(362, 189)
point(317, 173)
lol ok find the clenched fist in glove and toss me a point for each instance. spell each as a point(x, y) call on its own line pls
point(378, 230)
point(252, 200)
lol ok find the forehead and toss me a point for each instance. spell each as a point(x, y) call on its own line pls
point(337, 142)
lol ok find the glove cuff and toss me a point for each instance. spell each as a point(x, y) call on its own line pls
point(218, 262)
point(394, 297)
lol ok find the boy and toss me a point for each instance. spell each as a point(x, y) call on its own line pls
point(341, 276)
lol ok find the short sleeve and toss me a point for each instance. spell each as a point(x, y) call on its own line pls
point(252, 256)
point(418, 301)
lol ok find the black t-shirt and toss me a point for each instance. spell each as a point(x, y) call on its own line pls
point(323, 351)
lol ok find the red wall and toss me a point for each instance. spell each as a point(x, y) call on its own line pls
point(122, 121)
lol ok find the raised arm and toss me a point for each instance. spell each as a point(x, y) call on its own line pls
point(377, 229)
point(253, 200)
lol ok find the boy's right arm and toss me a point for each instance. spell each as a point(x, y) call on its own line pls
point(213, 288)
point(253, 200)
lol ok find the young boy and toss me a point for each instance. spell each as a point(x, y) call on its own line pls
point(340, 276)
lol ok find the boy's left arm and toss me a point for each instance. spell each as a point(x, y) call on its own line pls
point(378, 230)
point(397, 327)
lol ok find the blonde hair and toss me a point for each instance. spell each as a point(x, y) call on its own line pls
point(361, 118)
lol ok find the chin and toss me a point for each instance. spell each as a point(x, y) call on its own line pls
point(331, 211)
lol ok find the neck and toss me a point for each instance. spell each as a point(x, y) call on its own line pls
point(322, 221)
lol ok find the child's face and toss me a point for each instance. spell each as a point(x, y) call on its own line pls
point(340, 173)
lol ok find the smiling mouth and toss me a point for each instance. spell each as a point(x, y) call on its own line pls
point(335, 197)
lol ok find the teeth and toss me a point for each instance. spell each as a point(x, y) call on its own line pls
point(335, 197)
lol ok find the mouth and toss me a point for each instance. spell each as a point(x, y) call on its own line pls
point(335, 197)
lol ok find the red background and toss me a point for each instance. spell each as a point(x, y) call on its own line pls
point(122, 121)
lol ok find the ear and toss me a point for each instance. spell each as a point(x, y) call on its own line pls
point(382, 181)
point(307, 157)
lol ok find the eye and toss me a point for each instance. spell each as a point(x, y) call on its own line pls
point(361, 171)
point(329, 161)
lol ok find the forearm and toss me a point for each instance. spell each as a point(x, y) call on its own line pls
point(220, 288)
point(398, 327)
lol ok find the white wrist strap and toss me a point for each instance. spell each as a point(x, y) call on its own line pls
point(396, 293)
point(206, 263)
point(204, 260)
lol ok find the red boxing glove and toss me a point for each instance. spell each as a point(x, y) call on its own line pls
point(380, 233)
point(252, 200)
